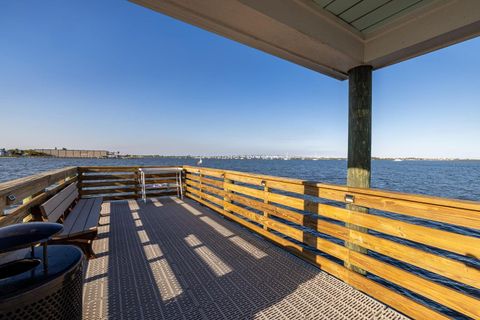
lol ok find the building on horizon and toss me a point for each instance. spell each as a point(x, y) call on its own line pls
point(67, 153)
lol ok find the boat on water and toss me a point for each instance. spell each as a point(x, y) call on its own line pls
point(397, 160)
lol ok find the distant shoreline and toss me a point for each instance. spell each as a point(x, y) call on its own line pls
point(243, 158)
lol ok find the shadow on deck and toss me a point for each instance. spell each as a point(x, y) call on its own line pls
point(172, 259)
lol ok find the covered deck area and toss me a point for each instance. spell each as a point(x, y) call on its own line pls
point(175, 259)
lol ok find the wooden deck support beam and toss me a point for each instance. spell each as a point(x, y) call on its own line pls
point(359, 140)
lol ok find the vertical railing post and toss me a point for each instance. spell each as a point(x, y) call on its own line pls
point(265, 200)
point(183, 184)
point(226, 198)
point(3, 204)
point(200, 174)
point(138, 193)
point(80, 180)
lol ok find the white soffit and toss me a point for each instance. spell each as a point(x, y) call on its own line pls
point(333, 36)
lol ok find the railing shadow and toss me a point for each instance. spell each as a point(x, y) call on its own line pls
point(215, 276)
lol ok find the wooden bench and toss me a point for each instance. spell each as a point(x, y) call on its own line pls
point(80, 224)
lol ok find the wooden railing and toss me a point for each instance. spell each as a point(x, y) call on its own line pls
point(438, 237)
point(120, 183)
point(419, 249)
point(20, 196)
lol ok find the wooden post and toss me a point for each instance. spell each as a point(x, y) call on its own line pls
point(200, 175)
point(265, 200)
point(3, 205)
point(138, 186)
point(359, 141)
point(80, 181)
point(226, 199)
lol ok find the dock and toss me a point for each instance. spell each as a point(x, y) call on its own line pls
point(174, 259)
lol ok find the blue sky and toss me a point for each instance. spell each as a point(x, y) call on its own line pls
point(113, 75)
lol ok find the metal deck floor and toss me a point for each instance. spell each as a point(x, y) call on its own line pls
point(173, 259)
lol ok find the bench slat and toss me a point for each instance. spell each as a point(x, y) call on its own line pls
point(78, 226)
point(53, 209)
point(92, 221)
point(72, 217)
point(60, 210)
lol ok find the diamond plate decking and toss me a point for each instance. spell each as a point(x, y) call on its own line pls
point(172, 259)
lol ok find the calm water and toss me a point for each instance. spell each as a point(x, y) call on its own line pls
point(452, 179)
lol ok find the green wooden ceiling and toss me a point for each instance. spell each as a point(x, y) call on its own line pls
point(369, 15)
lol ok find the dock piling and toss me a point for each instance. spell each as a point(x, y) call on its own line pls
point(359, 141)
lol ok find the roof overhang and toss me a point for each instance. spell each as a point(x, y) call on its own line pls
point(304, 33)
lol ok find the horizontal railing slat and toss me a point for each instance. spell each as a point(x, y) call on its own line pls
point(123, 176)
point(107, 176)
point(107, 191)
point(216, 183)
point(93, 184)
point(116, 168)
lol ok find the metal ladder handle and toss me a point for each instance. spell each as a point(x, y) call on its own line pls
point(176, 183)
point(144, 192)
